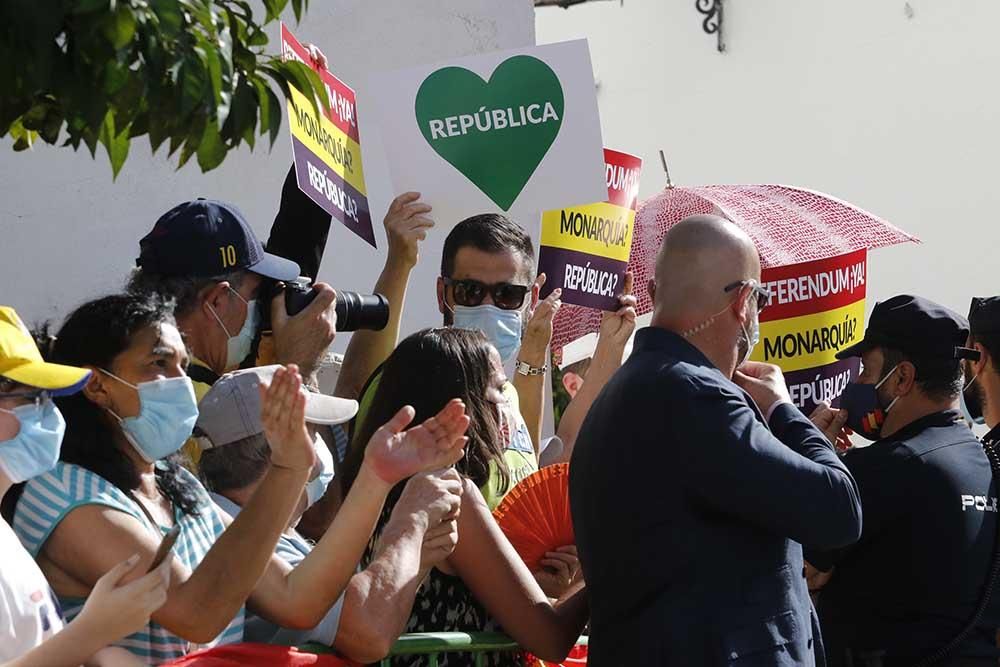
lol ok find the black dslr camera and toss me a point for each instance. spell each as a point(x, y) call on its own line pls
point(354, 311)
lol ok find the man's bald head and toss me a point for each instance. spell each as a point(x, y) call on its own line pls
point(700, 256)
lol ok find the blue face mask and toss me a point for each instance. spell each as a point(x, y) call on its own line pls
point(168, 411)
point(502, 327)
point(238, 347)
point(316, 488)
point(865, 412)
point(35, 448)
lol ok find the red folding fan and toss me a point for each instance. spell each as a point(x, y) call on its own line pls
point(535, 516)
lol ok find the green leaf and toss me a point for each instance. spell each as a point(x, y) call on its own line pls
point(274, 124)
point(87, 6)
point(120, 28)
point(170, 15)
point(211, 150)
point(115, 143)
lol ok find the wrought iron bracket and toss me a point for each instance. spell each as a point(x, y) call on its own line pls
point(712, 23)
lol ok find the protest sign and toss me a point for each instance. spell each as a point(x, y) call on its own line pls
point(515, 132)
point(585, 249)
point(816, 309)
point(326, 147)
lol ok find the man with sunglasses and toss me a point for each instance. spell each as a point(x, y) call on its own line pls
point(695, 481)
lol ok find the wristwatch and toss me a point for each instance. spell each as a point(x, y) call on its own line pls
point(524, 368)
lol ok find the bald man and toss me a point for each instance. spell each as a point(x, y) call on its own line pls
point(695, 481)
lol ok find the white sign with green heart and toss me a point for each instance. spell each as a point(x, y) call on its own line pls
point(514, 132)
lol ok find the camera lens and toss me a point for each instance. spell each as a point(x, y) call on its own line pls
point(361, 311)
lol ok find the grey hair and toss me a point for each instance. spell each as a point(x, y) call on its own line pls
point(182, 289)
point(235, 465)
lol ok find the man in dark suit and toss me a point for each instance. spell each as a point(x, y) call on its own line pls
point(695, 480)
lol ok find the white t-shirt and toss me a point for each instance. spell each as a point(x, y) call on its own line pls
point(29, 613)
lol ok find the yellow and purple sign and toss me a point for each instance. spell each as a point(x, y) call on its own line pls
point(326, 146)
point(816, 309)
point(585, 249)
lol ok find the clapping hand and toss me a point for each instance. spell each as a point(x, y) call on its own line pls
point(283, 415)
point(395, 454)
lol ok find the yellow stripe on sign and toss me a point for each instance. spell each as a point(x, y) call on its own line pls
point(337, 150)
point(600, 229)
point(811, 340)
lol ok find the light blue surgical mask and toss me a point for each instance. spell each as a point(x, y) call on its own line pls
point(316, 488)
point(35, 448)
point(168, 411)
point(502, 327)
point(238, 347)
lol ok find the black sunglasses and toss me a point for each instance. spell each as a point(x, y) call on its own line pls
point(472, 292)
point(763, 295)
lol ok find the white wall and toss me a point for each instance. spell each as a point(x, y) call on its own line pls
point(68, 233)
point(896, 114)
point(854, 98)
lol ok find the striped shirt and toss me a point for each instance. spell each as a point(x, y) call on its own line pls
point(50, 497)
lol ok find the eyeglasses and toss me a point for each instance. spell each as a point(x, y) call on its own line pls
point(35, 398)
point(472, 292)
point(763, 295)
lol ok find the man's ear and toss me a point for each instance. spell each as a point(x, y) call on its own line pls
point(96, 389)
point(741, 307)
point(441, 297)
point(984, 360)
point(651, 288)
point(216, 296)
point(906, 378)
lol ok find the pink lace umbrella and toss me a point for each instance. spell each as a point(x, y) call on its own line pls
point(789, 225)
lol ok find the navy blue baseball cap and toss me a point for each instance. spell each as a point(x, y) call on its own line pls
point(204, 238)
point(984, 315)
point(916, 326)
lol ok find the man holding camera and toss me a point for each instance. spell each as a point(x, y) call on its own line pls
point(204, 254)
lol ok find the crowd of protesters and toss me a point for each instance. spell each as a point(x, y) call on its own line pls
point(715, 523)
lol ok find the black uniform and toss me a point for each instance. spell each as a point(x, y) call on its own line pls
point(915, 577)
point(913, 581)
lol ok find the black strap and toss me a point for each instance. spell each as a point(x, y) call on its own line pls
point(202, 374)
point(991, 578)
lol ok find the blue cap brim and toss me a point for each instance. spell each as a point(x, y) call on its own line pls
point(278, 268)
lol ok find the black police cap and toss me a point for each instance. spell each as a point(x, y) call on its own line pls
point(204, 238)
point(984, 315)
point(915, 326)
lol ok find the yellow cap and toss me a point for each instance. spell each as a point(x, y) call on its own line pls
point(21, 362)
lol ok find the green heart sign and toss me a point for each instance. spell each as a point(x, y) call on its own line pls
point(494, 132)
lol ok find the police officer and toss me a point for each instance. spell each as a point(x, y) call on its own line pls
point(906, 590)
point(982, 378)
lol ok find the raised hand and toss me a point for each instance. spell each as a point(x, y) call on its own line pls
point(283, 415)
point(617, 327)
point(406, 225)
point(395, 454)
point(538, 332)
point(115, 611)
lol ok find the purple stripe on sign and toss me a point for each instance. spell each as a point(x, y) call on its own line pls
point(331, 192)
point(810, 386)
point(586, 280)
